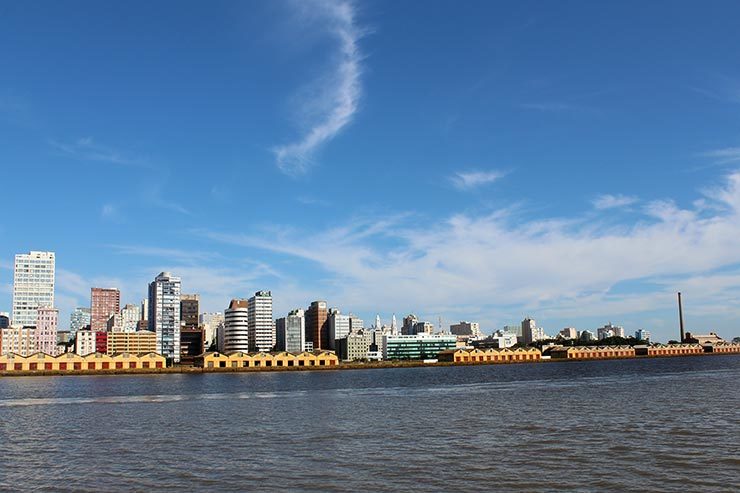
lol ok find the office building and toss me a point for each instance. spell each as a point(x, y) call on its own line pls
point(609, 330)
point(236, 327)
point(354, 346)
point(466, 329)
point(261, 323)
point(189, 310)
point(79, 319)
point(18, 340)
point(642, 335)
point(416, 347)
point(131, 342)
point(47, 324)
point(423, 328)
point(192, 343)
point(355, 323)
point(211, 322)
point(568, 333)
point(4, 320)
point(127, 320)
point(104, 303)
point(33, 286)
point(317, 325)
point(164, 314)
point(291, 332)
point(530, 332)
point(339, 326)
point(409, 323)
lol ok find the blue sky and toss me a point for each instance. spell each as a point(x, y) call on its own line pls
point(572, 161)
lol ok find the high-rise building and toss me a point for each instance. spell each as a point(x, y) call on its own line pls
point(78, 320)
point(530, 332)
point(291, 332)
point(528, 325)
point(409, 322)
point(609, 330)
point(569, 333)
point(144, 308)
point(236, 327)
point(261, 323)
point(642, 335)
point(4, 320)
point(104, 303)
point(47, 323)
point(189, 310)
point(33, 285)
point(127, 320)
point(466, 329)
point(317, 325)
point(211, 322)
point(164, 314)
point(339, 326)
point(355, 323)
point(423, 328)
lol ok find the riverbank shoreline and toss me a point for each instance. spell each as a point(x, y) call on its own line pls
point(379, 365)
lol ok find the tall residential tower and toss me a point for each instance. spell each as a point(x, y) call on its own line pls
point(33, 285)
point(164, 314)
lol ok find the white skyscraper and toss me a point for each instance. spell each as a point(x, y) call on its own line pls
point(261, 324)
point(339, 327)
point(33, 285)
point(164, 314)
point(236, 327)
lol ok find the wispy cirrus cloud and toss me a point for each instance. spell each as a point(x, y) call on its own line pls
point(724, 156)
point(547, 106)
point(465, 180)
point(169, 254)
point(338, 102)
point(87, 149)
point(609, 201)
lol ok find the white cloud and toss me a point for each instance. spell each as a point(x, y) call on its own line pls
point(339, 102)
point(465, 180)
point(500, 265)
point(609, 201)
point(724, 156)
point(89, 150)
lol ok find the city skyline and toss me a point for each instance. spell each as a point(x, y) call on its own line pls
point(252, 320)
point(331, 153)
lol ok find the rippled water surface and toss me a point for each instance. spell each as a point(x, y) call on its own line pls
point(632, 425)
